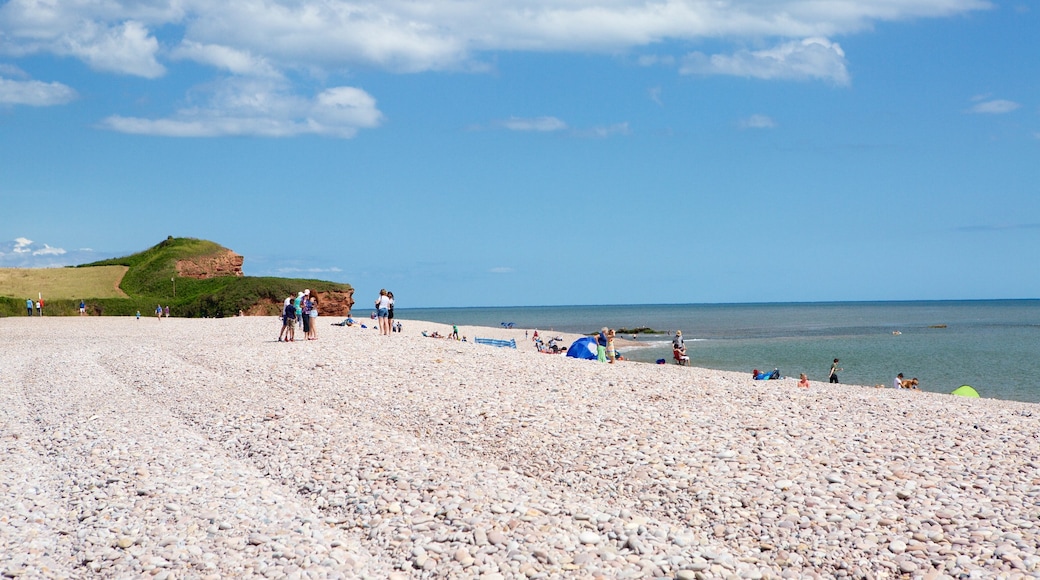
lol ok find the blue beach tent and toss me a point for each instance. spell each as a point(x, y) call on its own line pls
point(583, 348)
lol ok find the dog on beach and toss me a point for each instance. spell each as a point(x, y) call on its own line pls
point(910, 384)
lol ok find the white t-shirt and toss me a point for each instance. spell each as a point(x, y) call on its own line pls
point(897, 383)
point(384, 302)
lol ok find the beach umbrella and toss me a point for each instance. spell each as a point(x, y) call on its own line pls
point(583, 348)
point(966, 391)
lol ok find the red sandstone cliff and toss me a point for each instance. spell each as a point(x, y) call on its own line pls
point(228, 263)
point(330, 303)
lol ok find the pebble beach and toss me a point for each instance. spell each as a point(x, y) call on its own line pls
point(206, 449)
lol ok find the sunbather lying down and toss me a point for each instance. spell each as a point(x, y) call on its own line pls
point(346, 322)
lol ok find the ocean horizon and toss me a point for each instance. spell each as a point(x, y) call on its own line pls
point(991, 345)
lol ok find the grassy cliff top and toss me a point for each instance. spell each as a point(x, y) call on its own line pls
point(151, 278)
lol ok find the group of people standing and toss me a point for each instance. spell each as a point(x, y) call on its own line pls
point(605, 346)
point(385, 311)
point(302, 311)
point(39, 306)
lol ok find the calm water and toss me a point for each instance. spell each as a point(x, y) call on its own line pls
point(991, 345)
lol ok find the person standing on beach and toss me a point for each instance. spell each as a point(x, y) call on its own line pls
point(314, 317)
point(284, 333)
point(82, 308)
point(833, 377)
point(678, 343)
point(455, 331)
point(306, 313)
point(383, 312)
point(158, 312)
point(166, 311)
point(611, 353)
point(601, 345)
point(289, 321)
point(390, 311)
point(298, 308)
point(39, 308)
point(29, 305)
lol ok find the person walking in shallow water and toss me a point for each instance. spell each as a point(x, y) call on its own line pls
point(833, 377)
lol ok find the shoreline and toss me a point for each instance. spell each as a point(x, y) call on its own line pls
point(205, 447)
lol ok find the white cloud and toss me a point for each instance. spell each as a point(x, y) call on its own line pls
point(416, 35)
point(25, 253)
point(46, 250)
point(106, 35)
point(655, 95)
point(995, 107)
point(126, 48)
point(757, 122)
point(276, 40)
point(34, 93)
point(538, 124)
point(262, 108)
point(811, 58)
point(224, 57)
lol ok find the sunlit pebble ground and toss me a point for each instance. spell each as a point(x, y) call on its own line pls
point(204, 448)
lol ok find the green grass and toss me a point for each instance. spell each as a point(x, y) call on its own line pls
point(146, 283)
point(62, 283)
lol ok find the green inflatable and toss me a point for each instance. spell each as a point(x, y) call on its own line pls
point(966, 391)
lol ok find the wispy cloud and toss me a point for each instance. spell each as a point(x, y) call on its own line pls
point(555, 125)
point(236, 61)
point(262, 108)
point(301, 42)
point(994, 107)
point(655, 95)
point(809, 59)
point(22, 252)
point(604, 131)
point(34, 93)
point(537, 124)
point(757, 122)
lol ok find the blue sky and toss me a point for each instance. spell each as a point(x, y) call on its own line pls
point(536, 152)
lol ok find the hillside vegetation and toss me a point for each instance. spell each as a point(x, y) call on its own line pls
point(62, 283)
point(151, 279)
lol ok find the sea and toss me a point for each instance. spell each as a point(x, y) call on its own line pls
point(992, 345)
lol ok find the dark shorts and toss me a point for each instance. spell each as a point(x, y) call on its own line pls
point(834, 378)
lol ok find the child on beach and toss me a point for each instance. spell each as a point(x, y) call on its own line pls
point(288, 333)
point(611, 354)
point(803, 381)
